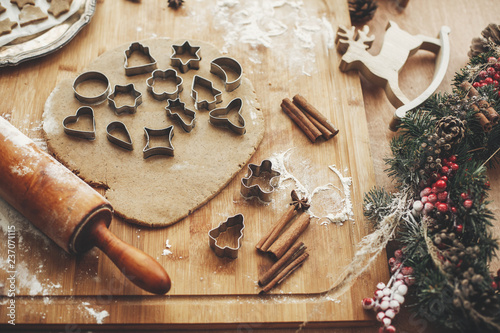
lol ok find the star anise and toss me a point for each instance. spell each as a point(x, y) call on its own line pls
point(175, 3)
point(299, 203)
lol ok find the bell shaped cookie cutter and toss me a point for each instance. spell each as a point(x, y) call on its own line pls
point(217, 117)
point(84, 110)
point(192, 63)
point(160, 150)
point(164, 75)
point(128, 89)
point(249, 190)
point(207, 84)
point(91, 75)
point(119, 126)
point(140, 69)
point(226, 251)
point(218, 67)
point(188, 127)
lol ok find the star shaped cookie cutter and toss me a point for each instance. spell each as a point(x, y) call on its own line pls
point(226, 251)
point(188, 127)
point(139, 69)
point(164, 75)
point(84, 110)
point(191, 63)
point(128, 89)
point(265, 171)
point(160, 150)
point(207, 84)
point(218, 67)
point(217, 119)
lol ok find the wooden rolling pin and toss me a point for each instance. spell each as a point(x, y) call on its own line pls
point(66, 209)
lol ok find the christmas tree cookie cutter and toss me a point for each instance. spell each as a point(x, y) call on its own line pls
point(207, 84)
point(227, 251)
point(127, 89)
point(383, 69)
point(218, 67)
point(164, 75)
point(168, 150)
point(83, 111)
point(217, 117)
point(188, 127)
point(148, 67)
point(265, 171)
point(192, 63)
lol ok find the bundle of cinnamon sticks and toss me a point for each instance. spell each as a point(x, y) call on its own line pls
point(308, 118)
point(282, 245)
point(486, 114)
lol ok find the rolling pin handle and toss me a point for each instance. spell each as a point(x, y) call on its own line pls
point(140, 268)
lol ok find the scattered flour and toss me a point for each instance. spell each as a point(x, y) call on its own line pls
point(166, 251)
point(280, 160)
point(99, 316)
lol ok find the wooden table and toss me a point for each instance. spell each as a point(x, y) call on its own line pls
point(107, 30)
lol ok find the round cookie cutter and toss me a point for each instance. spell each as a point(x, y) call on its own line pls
point(91, 75)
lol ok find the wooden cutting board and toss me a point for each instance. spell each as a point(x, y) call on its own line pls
point(207, 290)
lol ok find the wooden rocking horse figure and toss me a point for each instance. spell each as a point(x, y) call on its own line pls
point(383, 69)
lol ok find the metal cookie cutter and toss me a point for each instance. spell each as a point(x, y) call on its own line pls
point(264, 171)
point(140, 69)
point(164, 75)
point(218, 67)
point(207, 84)
point(91, 75)
point(218, 117)
point(84, 110)
point(128, 89)
point(192, 63)
point(188, 127)
point(119, 126)
point(213, 234)
point(160, 150)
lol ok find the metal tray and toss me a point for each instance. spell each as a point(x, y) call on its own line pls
point(48, 41)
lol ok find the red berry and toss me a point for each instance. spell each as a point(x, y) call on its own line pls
point(483, 74)
point(495, 83)
point(491, 71)
point(496, 76)
point(492, 60)
point(459, 228)
point(487, 184)
point(441, 184)
point(445, 161)
point(494, 285)
point(442, 207)
point(390, 329)
point(435, 189)
point(428, 207)
point(368, 303)
point(392, 261)
point(453, 209)
point(443, 196)
point(424, 199)
point(468, 203)
point(444, 170)
point(444, 178)
point(488, 80)
point(454, 166)
point(432, 198)
point(407, 270)
point(425, 192)
point(464, 196)
point(476, 84)
point(484, 84)
point(398, 254)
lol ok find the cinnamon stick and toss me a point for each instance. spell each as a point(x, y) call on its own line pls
point(286, 240)
point(299, 123)
point(310, 109)
point(471, 91)
point(493, 115)
point(274, 232)
point(299, 114)
point(295, 251)
point(485, 123)
point(325, 132)
point(285, 272)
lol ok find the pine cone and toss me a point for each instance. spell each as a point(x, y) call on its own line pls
point(175, 3)
point(490, 35)
point(362, 10)
point(451, 129)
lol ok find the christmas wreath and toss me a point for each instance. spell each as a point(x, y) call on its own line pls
point(440, 209)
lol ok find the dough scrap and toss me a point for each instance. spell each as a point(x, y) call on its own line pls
point(6, 26)
point(21, 3)
point(31, 14)
point(160, 190)
point(59, 7)
point(2, 9)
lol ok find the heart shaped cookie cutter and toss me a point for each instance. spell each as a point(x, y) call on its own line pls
point(84, 110)
point(226, 251)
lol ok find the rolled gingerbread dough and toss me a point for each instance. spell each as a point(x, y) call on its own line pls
point(160, 190)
